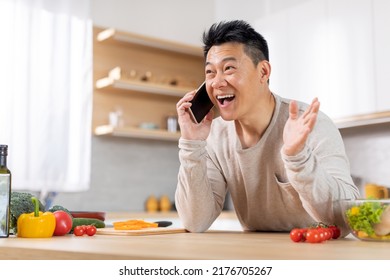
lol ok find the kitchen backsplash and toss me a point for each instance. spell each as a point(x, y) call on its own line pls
point(368, 149)
point(124, 173)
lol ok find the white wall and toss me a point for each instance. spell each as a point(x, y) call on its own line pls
point(175, 20)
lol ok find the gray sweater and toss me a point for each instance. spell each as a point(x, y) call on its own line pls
point(270, 191)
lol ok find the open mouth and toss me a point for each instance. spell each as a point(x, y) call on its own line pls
point(225, 98)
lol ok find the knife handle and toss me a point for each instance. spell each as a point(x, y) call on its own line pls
point(164, 223)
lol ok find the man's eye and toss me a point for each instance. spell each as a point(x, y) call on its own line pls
point(209, 73)
point(227, 68)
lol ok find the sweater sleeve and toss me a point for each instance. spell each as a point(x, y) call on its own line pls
point(201, 189)
point(320, 173)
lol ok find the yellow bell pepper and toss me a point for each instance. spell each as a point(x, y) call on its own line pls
point(36, 224)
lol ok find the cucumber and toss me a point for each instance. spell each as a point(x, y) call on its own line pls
point(88, 221)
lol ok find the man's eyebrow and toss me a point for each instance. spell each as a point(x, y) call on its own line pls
point(228, 58)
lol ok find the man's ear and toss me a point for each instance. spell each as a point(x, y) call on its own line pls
point(265, 70)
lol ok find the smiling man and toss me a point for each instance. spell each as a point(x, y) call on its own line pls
point(282, 161)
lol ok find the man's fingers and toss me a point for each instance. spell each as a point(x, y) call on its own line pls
point(293, 109)
point(183, 104)
point(312, 109)
point(186, 98)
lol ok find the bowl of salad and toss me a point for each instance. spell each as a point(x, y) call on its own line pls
point(368, 219)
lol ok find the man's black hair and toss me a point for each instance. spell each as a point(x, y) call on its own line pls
point(237, 31)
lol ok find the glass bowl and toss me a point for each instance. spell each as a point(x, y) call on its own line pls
point(368, 219)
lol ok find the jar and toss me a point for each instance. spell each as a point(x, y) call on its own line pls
point(172, 123)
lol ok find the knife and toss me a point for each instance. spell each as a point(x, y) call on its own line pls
point(163, 223)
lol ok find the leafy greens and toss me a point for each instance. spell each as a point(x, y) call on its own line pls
point(364, 216)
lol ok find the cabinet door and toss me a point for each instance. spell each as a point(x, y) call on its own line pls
point(381, 12)
point(351, 57)
point(327, 52)
point(297, 53)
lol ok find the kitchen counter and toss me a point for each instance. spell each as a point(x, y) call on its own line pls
point(221, 244)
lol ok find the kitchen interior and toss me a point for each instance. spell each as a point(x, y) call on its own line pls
point(334, 50)
point(126, 171)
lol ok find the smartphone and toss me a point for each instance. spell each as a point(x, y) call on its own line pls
point(201, 104)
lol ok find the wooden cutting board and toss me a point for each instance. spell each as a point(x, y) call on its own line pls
point(146, 231)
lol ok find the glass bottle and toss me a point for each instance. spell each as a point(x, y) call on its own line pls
point(5, 192)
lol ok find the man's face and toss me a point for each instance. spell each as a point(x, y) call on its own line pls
point(232, 80)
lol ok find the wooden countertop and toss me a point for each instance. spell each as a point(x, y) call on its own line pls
point(214, 244)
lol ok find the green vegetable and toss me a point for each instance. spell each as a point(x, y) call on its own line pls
point(21, 203)
point(364, 216)
point(88, 221)
point(59, 207)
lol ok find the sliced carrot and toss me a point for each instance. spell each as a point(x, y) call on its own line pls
point(133, 225)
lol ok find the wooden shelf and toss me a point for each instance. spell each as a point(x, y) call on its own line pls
point(111, 34)
point(363, 120)
point(133, 132)
point(144, 78)
point(139, 86)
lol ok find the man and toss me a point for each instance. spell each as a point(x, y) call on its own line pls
point(283, 162)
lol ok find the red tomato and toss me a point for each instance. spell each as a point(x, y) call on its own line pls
point(326, 235)
point(313, 236)
point(336, 231)
point(64, 223)
point(330, 232)
point(83, 227)
point(304, 231)
point(78, 231)
point(91, 230)
point(296, 234)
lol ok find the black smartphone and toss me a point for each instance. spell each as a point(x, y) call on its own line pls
point(201, 104)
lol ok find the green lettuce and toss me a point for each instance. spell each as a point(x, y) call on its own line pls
point(363, 217)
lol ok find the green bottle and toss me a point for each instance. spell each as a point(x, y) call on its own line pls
point(5, 192)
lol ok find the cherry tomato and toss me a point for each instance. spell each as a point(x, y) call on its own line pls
point(64, 223)
point(91, 230)
point(304, 231)
point(84, 227)
point(325, 233)
point(316, 233)
point(79, 231)
point(296, 235)
point(313, 236)
point(336, 231)
point(330, 232)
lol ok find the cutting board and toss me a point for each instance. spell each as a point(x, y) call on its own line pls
point(146, 231)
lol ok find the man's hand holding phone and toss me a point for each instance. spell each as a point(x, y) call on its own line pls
point(195, 114)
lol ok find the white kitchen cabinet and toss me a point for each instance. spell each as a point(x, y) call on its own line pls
point(381, 21)
point(336, 50)
point(351, 58)
point(298, 61)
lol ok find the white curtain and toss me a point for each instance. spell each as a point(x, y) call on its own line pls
point(46, 93)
